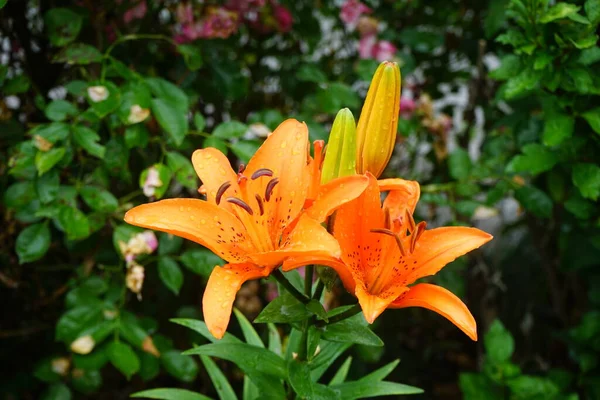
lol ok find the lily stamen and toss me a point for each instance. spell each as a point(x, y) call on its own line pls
point(270, 187)
point(240, 203)
point(416, 234)
point(388, 219)
point(221, 191)
point(410, 219)
point(390, 233)
point(261, 172)
point(260, 204)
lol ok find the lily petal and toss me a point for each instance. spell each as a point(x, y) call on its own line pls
point(214, 170)
point(336, 193)
point(285, 153)
point(197, 220)
point(443, 302)
point(373, 305)
point(403, 195)
point(308, 238)
point(220, 292)
point(440, 246)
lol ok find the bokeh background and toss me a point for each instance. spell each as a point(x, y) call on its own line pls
point(103, 102)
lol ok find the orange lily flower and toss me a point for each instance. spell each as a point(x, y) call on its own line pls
point(384, 251)
point(256, 218)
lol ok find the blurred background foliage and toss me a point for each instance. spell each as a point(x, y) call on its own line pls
point(103, 102)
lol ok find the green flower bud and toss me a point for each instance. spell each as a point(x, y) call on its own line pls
point(340, 158)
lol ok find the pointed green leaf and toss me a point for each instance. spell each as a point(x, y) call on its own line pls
point(171, 118)
point(558, 128)
point(200, 327)
point(586, 177)
point(33, 242)
point(218, 379)
point(362, 390)
point(170, 274)
point(499, 343)
point(180, 366)
point(304, 386)
point(122, 356)
point(381, 373)
point(99, 199)
point(88, 140)
point(593, 118)
point(169, 394)
point(249, 333)
point(342, 373)
point(45, 160)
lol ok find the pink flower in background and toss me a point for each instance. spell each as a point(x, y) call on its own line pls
point(284, 18)
point(366, 46)
point(407, 107)
point(219, 23)
point(351, 11)
point(244, 5)
point(184, 14)
point(136, 12)
point(384, 51)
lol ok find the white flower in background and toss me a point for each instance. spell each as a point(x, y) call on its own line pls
point(257, 130)
point(42, 143)
point(83, 345)
point(98, 93)
point(142, 243)
point(135, 279)
point(137, 114)
point(60, 365)
point(152, 182)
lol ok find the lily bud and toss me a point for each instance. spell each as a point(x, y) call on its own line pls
point(378, 122)
point(340, 158)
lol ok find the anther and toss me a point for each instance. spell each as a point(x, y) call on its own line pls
point(398, 240)
point(240, 203)
point(261, 172)
point(241, 168)
point(270, 187)
point(410, 219)
point(414, 236)
point(387, 220)
point(260, 204)
point(221, 191)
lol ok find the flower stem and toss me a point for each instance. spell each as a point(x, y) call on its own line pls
point(355, 309)
point(308, 276)
point(283, 281)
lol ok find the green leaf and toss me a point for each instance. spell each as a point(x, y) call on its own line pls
point(532, 387)
point(149, 367)
point(535, 200)
point(245, 149)
point(180, 366)
point(99, 199)
point(558, 127)
point(169, 92)
point(459, 164)
point(199, 122)
point(33, 242)
point(474, 385)
point(170, 274)
point(336, 96)
point(362, 390)
point(582, 80)
point(170, 394)
point(249, 333)
point(3, 3)
point(342, 373)
point(218, 144)
point(136, 136)
point(249, 358)
point(381, 373)
point(62, 25)
point(304, 386)
point(593, 118)
point(230, 130)
point(351, 330)
point(592, 9)
point(52, 132)
point(330, 351)
point(559, 11)
point(275, 345)
point(191, 55)
point(499, 343)
point(122, 356)
point(527, 79)
point(19, 194)
point(168, 244)
point(171, 118)
point(45, 160)
point(47, 186)
point(16, 85)
point(218, 379)
point(586, 177)
point(87, 381)
point(59, 110)
point(315, 307)
point(183, 170)
point(44, 372)
point(311, 73)
point(200, 261)
point(535, 159)
point(200, 327)
point(88, 140)
point(78, 53)
point(74, 223)
point(76, 320)
point(57, 391)
point(283, 309)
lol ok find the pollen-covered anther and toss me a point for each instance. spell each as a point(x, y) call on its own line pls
point(221, 191)
point(261, 172)
point(416, 234)
point(261, 207)
point(392, 234)
point(410, 220)
point(240, 203)
point(270, 187)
